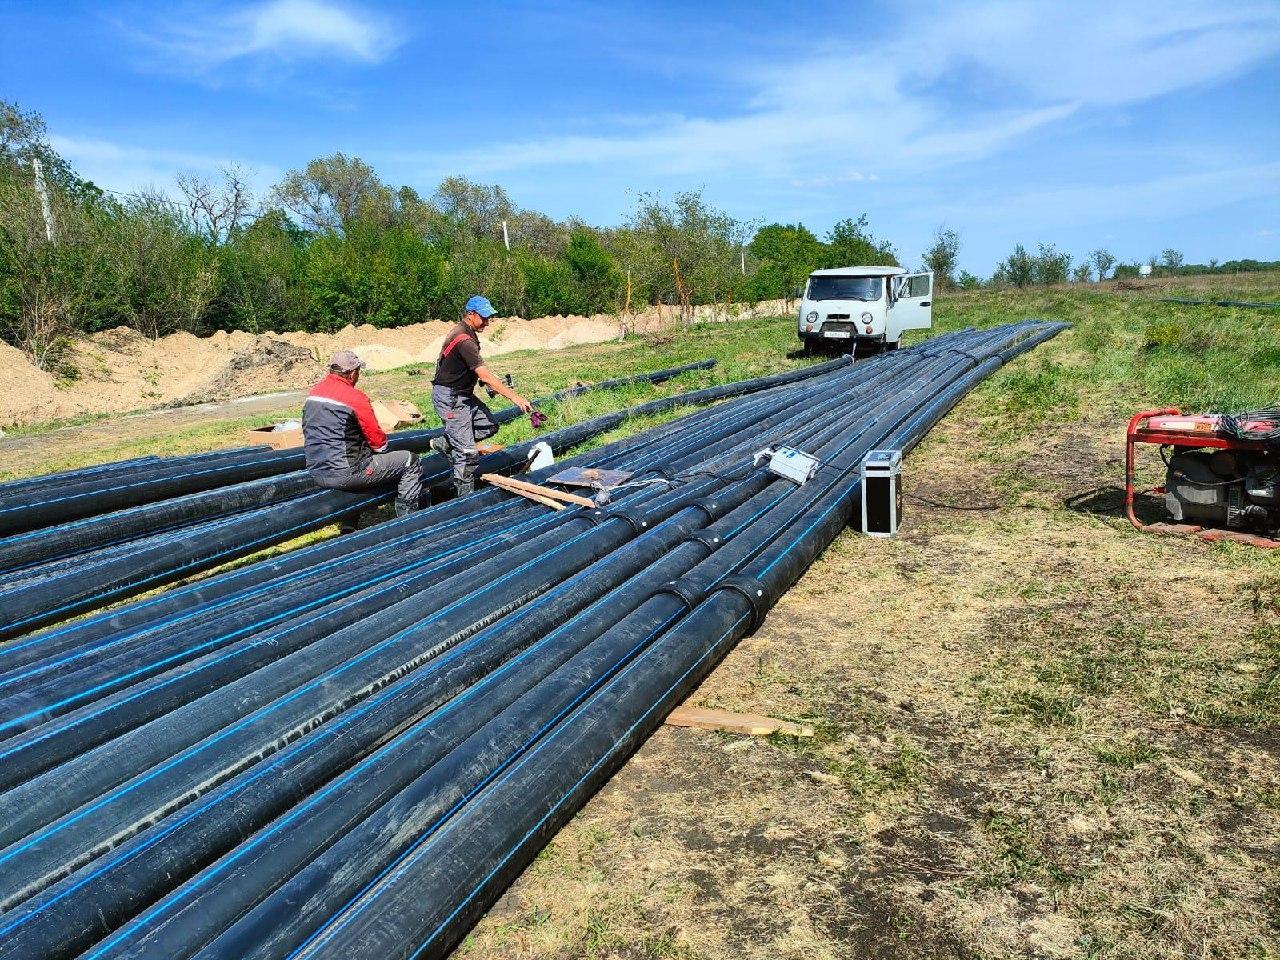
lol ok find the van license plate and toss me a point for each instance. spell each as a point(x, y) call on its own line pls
point(836, 334)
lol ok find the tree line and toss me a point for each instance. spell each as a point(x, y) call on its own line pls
point(1049, 265)
point(333, 244)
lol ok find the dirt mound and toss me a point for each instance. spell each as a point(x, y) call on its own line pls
point(266, 366)
point(122, 370)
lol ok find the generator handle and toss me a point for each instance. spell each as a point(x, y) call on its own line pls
point(1135, 424)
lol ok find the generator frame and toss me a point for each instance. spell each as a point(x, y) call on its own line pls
point(1139, 431)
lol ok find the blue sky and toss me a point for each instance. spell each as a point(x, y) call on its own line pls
point(1135, 126)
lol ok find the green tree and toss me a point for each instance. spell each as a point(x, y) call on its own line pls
point(850, 244)
point(595, 275)
point(785, 255)
point(1016, 270)
point(331, 193)
point(166, 274)
point(1103, 261)
point(1050, 265)
point(262, 276)
point(683, 252)
point(942, 255)
point(384, 276)
point(549, 286)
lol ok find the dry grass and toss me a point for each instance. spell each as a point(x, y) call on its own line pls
point(1041, 735)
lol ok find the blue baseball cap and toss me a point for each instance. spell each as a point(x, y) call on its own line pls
point(480, 305)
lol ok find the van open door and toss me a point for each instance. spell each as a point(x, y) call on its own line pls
point(914, 307)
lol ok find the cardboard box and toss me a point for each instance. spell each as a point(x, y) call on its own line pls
point(394, 414)
point(276, 439)
point(391, 415)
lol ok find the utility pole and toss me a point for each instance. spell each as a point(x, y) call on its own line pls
point(506, 240)
point(44, 198)
point(742, 253)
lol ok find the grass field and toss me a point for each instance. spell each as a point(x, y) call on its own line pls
point(1041, 734)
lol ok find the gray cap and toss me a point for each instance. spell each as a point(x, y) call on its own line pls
point(344, 361)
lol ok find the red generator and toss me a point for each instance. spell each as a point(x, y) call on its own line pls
point(1222, 476)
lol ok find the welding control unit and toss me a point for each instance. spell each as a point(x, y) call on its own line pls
point(882, 493)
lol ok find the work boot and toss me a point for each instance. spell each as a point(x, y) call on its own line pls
point(440, 445)
point(462, 488)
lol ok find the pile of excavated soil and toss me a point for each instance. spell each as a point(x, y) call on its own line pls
point(121, 370)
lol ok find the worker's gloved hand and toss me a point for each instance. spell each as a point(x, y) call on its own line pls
point(537, 418)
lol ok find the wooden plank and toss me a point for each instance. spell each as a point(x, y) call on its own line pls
point(523, 486)
point(527, 494)
point(748, 723)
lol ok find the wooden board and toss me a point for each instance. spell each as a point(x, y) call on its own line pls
point(749, 723)
point(523, 486)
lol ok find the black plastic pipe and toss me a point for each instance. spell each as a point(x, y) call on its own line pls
point(644, 584)
point(150, 482)
point(30, 604)
point(133, 885)
point(553, 577)
point(488, 840)
point(54, 642)
point(132, 659)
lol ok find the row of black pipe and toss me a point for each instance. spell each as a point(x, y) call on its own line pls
point(1243, 304)
point(55, 573)
point(180, 727)
point(41, 502)
point(320, 762)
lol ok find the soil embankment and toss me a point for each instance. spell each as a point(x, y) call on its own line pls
point(122, 370)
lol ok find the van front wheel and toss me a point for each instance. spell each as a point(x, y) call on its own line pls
point(892, 346)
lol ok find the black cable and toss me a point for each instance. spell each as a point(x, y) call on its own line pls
point(1233, 424)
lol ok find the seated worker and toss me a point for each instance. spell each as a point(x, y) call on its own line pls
point(466, 418)
point(345, 447)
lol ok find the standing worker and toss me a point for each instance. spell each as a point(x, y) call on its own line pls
point(466, 418)
point(346, 448)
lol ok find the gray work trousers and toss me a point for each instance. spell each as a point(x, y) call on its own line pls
point(382, 469)
point(467, 421)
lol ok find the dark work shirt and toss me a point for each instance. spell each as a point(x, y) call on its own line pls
point(459, 357)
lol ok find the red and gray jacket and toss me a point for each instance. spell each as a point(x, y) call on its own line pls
point(339, 428)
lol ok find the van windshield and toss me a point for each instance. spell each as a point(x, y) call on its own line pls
point(866, 289)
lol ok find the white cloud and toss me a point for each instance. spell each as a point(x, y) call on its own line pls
point(834, 180)
point(275, 31)
point(1159, 198)
point(953, 83)
point(130, 169)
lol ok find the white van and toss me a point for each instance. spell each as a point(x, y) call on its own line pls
point(863, 309)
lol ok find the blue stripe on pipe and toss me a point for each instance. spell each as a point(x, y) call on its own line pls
point(326, 932)
point(275, 705)
point(451, 707)
point(279, 615)
point(298, 609)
